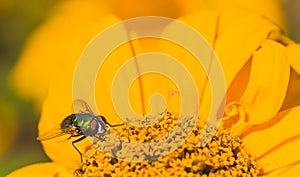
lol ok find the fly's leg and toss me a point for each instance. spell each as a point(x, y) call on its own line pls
point(116, 125)
point(73, 143)
point(105, 121)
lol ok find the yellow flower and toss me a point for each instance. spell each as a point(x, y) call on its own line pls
point(257, 74)
point(256, 59)
point(68, 22)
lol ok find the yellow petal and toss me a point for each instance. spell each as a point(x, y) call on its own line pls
point(293, 93)
point(293, 97)
point(239, 83)
point(277, 142)
point(273, 12)
point(293, 56)
point(51, 44)
point(236, 40)
point(42, 169)
point(56, 107)
point(268, 82)
point(106, 77)
point(205, 22)
point(286, 171)
point(135, 8)
point(192, 6)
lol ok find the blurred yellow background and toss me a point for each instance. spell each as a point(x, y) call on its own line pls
point(19, 117)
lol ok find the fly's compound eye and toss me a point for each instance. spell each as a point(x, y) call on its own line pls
point(94, 126)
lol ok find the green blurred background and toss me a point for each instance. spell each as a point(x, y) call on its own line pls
point(18, 119)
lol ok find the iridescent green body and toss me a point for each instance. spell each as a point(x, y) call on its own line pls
point(83, 124)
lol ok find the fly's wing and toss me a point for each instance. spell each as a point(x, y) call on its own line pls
point(53, 133)
point(80, 106)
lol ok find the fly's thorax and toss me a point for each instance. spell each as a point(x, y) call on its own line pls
point(90, 124)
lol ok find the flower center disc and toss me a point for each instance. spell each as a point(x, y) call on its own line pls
point(224, 155)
